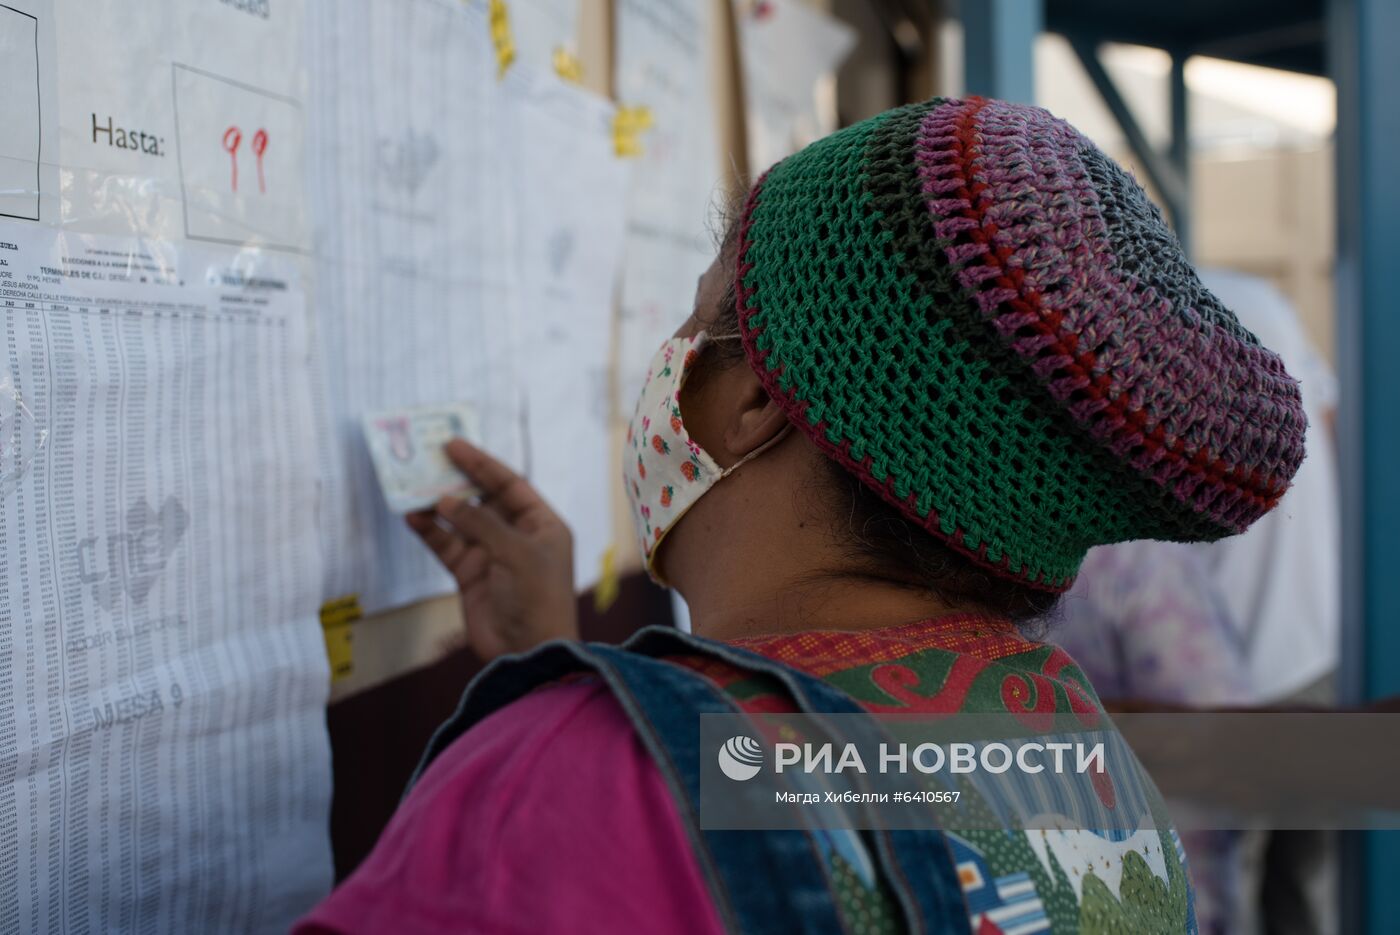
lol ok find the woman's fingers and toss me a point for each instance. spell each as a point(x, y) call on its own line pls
point(511, 555)
point(477, 524)
point(501, 486)
point(446, 544)
point(455, 527)
point(465, 561)
point(472, 566)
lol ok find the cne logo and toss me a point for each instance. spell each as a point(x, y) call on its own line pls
point(740, 758)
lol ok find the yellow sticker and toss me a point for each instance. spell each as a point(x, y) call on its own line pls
point(337, 615)
point(500, 36)
point(629, 123)
point(567, 65)
point(340, 650)
point(609, 587)
point(341, 610)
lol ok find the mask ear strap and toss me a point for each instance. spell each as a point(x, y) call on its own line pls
point(757, 451)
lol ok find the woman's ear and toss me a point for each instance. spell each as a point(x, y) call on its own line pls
point(755, 418)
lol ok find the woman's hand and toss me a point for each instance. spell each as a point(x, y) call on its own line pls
point(512, 556)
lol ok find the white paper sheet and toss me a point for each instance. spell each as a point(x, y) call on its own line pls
point(163, 755)
point(19, 114)
point(542, 29)
point(152, 98)
point(788, 50)
point(28, 105)
point(571, 224)
point(662, 65)
point(417, 278)
point(210, 314)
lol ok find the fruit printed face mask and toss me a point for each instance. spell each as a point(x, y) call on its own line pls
point(666, 471)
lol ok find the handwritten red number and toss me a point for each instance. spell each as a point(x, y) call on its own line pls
point(232, 138)
point(260, 147)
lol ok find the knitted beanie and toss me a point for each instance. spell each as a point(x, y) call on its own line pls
point(983, 317)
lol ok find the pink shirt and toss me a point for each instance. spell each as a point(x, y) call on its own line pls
point(549, 815)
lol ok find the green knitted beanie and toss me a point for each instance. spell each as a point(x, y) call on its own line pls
point(971, 308)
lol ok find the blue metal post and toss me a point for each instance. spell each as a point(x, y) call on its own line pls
point(1362, 36)
point(999, 43)
point(1179, 152)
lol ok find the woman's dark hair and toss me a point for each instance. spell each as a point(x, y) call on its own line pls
point(894, 546)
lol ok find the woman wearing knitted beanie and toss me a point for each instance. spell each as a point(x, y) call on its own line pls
point(940, 355)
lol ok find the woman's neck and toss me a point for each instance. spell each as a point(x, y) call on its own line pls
point(824, 601)
point(758, 554)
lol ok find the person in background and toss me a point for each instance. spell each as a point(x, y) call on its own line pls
point(1252, 621)
point(1147, 624)
point(1146, 621)
point(1281, 581)
point(941, 354)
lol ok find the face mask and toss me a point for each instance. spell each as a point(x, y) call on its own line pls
point(664, 469)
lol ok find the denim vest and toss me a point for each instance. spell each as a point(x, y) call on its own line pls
point(760, 881)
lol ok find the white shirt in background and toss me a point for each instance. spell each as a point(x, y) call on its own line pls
point(1281, 578)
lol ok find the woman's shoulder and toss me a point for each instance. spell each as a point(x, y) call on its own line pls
point(554, 794)
point(554, 719)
